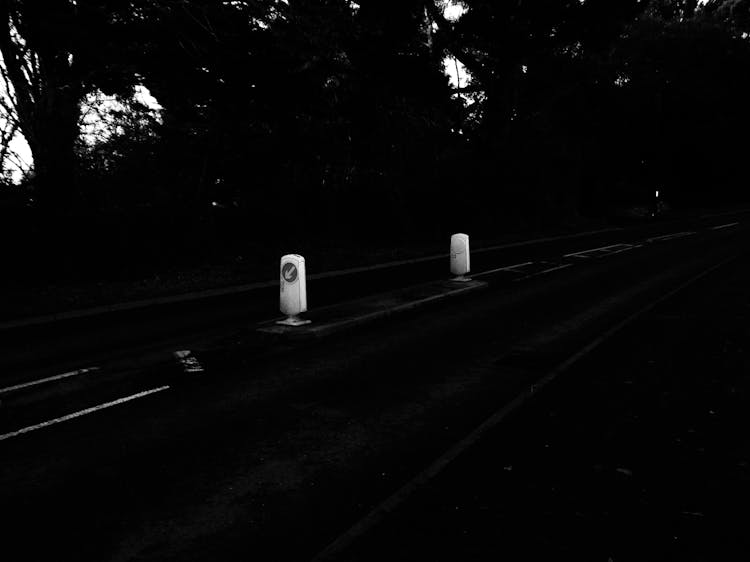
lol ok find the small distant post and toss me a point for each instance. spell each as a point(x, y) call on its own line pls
point(460, 257)
point(292, 290)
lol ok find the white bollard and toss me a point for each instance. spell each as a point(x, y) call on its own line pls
point(460, 257)
point(293, 290)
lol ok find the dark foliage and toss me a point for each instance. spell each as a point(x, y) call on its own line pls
point(340, 113)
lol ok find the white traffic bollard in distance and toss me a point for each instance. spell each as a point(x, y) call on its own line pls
point(460, 257)
point(293, 290)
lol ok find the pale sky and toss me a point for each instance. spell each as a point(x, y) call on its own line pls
point(457, 73)
point(453, 11)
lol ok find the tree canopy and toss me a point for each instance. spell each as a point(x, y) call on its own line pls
point(564, 107)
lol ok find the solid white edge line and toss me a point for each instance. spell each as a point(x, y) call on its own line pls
point(80, 413)
point(48, 379)
point(724, 225)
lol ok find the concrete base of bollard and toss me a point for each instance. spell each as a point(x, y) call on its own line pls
point(461, 279)
point(293, 321)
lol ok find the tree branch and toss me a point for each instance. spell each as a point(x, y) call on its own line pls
point(453, 44)
point(24, 101)
point(7, 136)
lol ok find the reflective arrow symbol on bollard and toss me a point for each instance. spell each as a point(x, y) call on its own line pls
point(292, 290)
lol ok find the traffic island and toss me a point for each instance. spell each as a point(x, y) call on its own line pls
point(332, 319)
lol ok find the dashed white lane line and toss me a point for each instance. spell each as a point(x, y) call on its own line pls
point(724, 226)
point(80, 413)
point(669, 236)
point(48, 379)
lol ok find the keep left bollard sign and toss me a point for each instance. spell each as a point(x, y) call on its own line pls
point(460, 256)
point(292, 289)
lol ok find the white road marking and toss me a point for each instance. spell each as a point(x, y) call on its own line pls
point(724, 225)
point(188, 361)
point(506, 268)
point(47, 379)
point(611, 248)
point(81, 413)
point(520, 265)
point(669, 236)
point(550, 270)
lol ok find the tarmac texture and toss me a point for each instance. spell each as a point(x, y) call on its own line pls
point(250, 446)
point(640, 452)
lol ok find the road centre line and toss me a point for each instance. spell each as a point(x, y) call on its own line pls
point(724, 225)
point(80, 413)
point(669, 236)
point(48, 379)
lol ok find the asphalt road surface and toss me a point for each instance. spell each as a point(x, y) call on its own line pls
point(639, 452)
point(250, 447)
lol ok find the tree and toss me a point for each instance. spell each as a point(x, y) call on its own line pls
point(735, 13)
point(538, 81)
point(340, 102)
point(683, 91)
point(52, 55)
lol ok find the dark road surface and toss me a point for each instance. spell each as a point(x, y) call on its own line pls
point(273, 449)
point(641, 452)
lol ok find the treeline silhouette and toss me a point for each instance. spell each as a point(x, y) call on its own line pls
point(335, 120)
